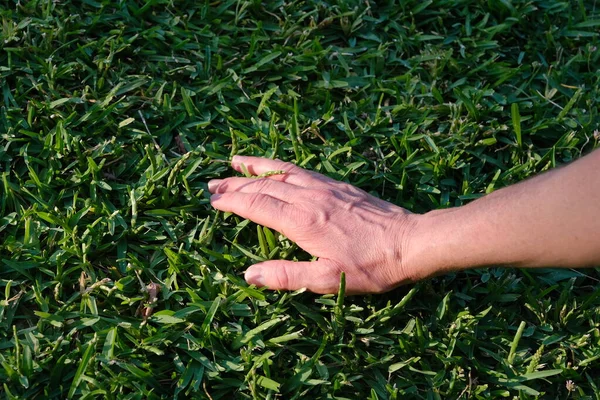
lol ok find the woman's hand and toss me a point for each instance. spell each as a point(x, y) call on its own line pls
point(345, 227)
point(550, 220)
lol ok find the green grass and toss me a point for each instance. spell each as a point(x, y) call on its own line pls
point(115, 113)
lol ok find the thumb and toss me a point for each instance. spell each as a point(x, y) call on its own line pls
point(317, 276)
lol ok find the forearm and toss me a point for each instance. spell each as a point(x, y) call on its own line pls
point(550, 220)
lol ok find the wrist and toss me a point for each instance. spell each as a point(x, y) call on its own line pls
point(417, 247)
point(438, 244)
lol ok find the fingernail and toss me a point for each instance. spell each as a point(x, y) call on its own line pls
point(254, 276)
point(213, 184)
point(238, 159)
point(215, 197)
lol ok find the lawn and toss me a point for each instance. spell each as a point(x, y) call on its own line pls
point(118, 279)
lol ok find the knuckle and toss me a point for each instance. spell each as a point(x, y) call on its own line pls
point(317, 218)
point(256, 201)
point(329, 281)
point(355, 192)
point(350, 205)
point(321, 217)
point(282, 278)
point(289, 167)
point(262, 184)
point(323, 194)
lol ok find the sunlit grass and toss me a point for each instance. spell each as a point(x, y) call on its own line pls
point(120, 281)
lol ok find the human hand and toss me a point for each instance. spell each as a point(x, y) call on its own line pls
point(346, 228)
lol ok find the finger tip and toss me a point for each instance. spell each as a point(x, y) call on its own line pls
point(238, 159)
point(254, 276)
point(213, 185)
point(236, 164)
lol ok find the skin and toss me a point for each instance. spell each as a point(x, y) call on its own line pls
point(550, 220)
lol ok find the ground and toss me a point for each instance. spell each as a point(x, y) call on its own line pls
point(120, 281)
